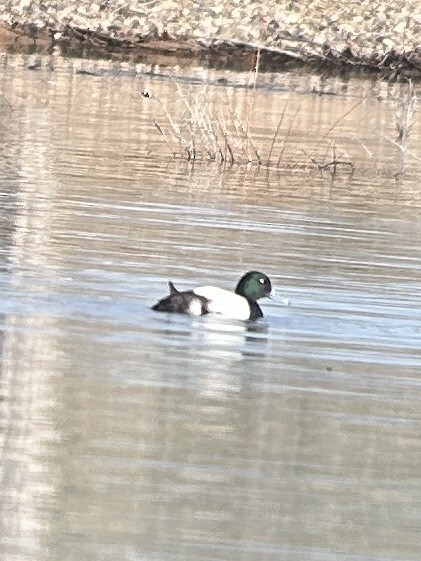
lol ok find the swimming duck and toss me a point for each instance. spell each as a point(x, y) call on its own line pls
point(241, 304)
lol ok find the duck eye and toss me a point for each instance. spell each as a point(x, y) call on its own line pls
point(262, 280)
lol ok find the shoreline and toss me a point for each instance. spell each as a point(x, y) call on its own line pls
point(384, 40)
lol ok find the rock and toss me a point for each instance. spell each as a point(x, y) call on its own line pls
point(401, 27)
point(388, 43)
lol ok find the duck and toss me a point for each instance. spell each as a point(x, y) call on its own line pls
point(238, 305)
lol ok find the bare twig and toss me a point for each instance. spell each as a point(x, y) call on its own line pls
point(350, 110)
point(363, 146)
point(284, 143)
point(405, 114)
point(278, 128)
point(332, 165)
point(256, 68)
point(402, 148)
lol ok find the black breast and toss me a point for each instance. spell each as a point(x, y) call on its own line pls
point(255, 311)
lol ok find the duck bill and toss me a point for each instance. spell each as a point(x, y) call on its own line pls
point(277, 297)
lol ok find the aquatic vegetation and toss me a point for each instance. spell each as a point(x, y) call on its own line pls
point(405, 114)
point(215, 124)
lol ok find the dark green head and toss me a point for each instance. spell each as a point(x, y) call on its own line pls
point(254, 285)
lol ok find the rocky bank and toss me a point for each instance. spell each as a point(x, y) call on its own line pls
point(372, 34)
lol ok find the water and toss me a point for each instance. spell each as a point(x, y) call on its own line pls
point(128, 434)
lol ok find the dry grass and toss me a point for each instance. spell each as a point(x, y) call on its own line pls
point(405, 114)
point(405, 120)
point(210, 128)
point(207, 129)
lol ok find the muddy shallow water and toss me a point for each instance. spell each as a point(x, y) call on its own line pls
point(127, 434)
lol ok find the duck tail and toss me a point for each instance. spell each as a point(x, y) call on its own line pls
point(173, 290)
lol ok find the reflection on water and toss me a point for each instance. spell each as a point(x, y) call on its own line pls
point(127, 434)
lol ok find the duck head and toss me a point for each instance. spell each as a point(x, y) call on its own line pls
point(254, 285)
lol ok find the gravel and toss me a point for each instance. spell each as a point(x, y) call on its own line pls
point(370, 32)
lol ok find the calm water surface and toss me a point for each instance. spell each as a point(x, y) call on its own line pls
point(131, 435)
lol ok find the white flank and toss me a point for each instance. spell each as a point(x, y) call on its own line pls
point(224, 302)
point(195, 308)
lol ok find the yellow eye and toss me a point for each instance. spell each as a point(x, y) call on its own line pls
point(262, 280)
